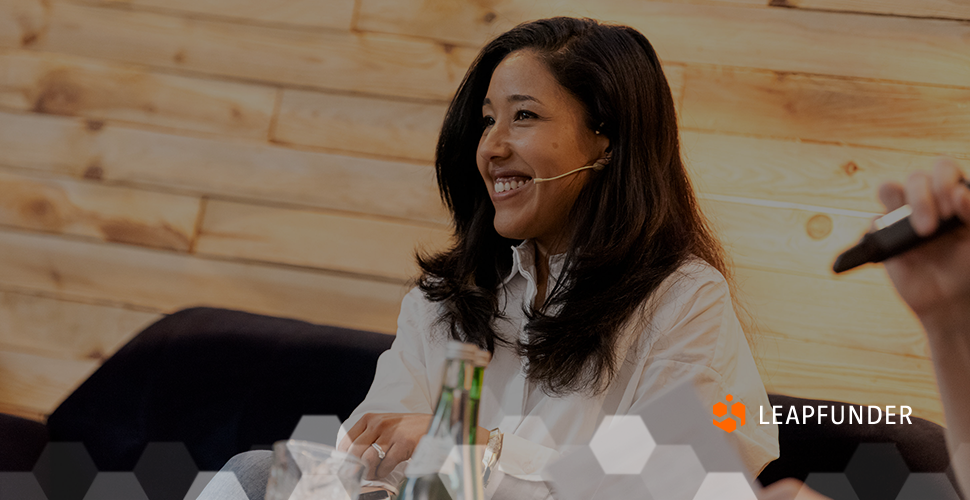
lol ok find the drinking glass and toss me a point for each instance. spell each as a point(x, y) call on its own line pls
point(310, 471)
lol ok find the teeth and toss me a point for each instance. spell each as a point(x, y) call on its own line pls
point(501, 187)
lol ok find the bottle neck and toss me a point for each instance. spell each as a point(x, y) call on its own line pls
point(456, 416)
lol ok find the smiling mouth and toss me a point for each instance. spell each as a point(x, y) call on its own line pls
point(504, 184)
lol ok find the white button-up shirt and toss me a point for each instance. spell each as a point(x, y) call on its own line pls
point(688, 331)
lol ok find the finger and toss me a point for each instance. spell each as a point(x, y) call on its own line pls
point(364, 442)
point(806, 493)
point(373, 461)
point(354, 433)
point(786, 489)
point(946, 174)
point(892, 196)
point(396, 454)
point(919, 196)
point(344, 443)
point(960, 198)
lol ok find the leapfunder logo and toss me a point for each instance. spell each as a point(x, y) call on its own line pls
point(732, 422)
point(857, 414)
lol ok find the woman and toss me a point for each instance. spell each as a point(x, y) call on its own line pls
point(595, 288)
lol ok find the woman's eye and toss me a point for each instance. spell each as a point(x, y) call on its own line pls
point(487, 121)
point(524, 114)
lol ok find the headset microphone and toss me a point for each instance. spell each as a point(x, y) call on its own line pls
point(600, 164)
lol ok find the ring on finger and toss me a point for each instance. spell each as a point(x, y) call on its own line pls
point(380, 451)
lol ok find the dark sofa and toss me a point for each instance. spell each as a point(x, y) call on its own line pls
point(211, 383)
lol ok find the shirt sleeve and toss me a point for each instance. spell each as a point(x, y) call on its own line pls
point(698, 338)
point(401, 382)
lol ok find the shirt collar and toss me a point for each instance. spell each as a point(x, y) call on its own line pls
point(523, 262)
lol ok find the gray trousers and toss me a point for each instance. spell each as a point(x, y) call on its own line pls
point(242, 478)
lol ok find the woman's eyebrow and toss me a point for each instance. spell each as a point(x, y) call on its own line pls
point(514, 98)
point(521, 97)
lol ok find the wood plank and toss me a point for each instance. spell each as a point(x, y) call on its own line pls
point(675, 79)
point(789, 240)
point(737, 3)
point(334, 60)
point(169, 281)
point(361, 124)
point(820, 175)
point(859, 45)
point(377, 126)
point(69, 330)
point(89, 209)
point(334, 14)
point(323, 240)
point(831, 312)
point(220, 167)
point(74, 86)
point(783, 263)
point(21, 21)
point(952, 9)
point(816, 371)
point(896, 116)
point(38, 383)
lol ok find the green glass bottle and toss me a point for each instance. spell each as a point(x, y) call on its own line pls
point(445, 464)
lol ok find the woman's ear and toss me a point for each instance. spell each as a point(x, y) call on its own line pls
point(603, 146)
point(602, 142)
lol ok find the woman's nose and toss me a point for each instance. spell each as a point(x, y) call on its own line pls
point(494, 144)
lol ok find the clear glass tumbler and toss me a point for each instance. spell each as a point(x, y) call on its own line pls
point(310, 471)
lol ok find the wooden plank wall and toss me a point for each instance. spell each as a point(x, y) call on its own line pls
point(156, 155)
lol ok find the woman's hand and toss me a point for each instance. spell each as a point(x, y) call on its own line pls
point(790, 489)
point(396, 433)
point(934, 279)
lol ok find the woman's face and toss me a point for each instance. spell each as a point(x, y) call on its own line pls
point(534, 128)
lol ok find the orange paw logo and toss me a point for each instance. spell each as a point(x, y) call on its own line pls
point(732, 422)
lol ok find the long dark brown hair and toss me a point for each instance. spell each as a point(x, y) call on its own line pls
point(636, 222)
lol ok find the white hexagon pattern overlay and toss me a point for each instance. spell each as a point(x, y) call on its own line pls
point(622, 444)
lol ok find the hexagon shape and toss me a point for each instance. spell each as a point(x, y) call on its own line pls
point(720, 409)
point(673, 472)
point(877, 470)
point(832, 485)
point(924, 485)
point(199, 483)
point(317, 472)
point(738, 410)
point(317, 429)
point(116, 486)
point(679, 417)
point(166, 470)
point(725, 486)
point(622, 486)
point(622, 444)
point(224, 482)
point(441, 457)
point(20, 486)
point(576, 475)
point(65, 471)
